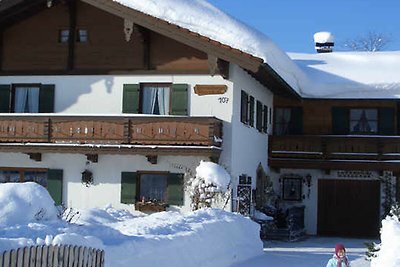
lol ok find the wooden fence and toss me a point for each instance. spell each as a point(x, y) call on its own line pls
point(53, 256)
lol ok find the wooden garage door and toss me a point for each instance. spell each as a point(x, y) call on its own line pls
point(348, 208)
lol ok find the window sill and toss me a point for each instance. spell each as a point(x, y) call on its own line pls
point(151, 206)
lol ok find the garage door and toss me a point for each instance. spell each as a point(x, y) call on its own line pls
point(348, 208)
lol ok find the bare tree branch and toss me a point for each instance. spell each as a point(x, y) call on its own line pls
point(371, 41)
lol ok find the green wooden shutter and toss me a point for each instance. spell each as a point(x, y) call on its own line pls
point(55, 185)
point(179, 99)
point(128, 187)
point(175, 189)
point(259, 116)
point(386, 121)
point(244, 107)
point(340, 120)
point(46, 98)
point(130, 98)
point(265, 120)
point(296, 121)
point(251, 111)
point(5, 93)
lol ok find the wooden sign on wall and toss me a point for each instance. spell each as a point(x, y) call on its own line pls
point(210, 89)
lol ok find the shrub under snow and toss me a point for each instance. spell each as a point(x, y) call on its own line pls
point(25, 202)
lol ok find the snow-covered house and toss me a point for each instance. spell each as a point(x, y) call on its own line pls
point(111, 102)
point(336, 152)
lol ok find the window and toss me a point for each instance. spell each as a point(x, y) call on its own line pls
point(251, 111)
point(292, 189)
point(16, 176)
point(159, 187)
point(157, 99)
point(153, 187)
point(26, 98)
point(364, 121)
point(288, 121)
point(265, 121)
point(63, 36)
point(82, 36)
point(244, 107)
point(259, 124)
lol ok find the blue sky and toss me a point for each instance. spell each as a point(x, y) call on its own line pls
point(292, 23)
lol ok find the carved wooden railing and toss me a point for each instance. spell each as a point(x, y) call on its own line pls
point(329, 147)
point(204, 131)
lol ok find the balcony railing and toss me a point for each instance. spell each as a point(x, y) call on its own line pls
point(327, 147)
point(199, 131)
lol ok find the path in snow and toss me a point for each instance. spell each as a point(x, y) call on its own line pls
point(314, 251)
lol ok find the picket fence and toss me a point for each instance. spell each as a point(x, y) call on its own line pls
point(53, 256)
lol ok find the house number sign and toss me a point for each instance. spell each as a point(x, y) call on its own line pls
point(223, 100)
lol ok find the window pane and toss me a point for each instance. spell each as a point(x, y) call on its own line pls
point(82, 36)
point(9, 177)
point(37, 177)
point(282, 120)
point(153, 187)
point(364, 120)
point(26, 100)
point(155, 100)
point(63, 36)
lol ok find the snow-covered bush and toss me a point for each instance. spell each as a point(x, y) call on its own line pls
point(22, 203)
point(209, 187)
point(388, 254)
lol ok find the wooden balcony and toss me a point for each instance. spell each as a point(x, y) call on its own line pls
point(118, 134)
point(335, 152)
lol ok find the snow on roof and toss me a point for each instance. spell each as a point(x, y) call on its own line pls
point(351, 75)
point(203, 18)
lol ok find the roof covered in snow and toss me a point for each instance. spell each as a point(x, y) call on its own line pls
point(351, 75)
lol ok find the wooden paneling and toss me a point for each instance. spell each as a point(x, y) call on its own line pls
point(317, 114)
point(33, 44)
point(168, 54)
point(339, 212)
point(106, 47)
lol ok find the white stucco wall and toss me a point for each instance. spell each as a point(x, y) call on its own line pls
point(106, 173)
point(249, 146)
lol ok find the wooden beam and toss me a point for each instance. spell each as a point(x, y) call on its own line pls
point(152, 159)
point(35, 156)
point(92, 157)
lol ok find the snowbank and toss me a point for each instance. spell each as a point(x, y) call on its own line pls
point(388, 255)
point(22, 203)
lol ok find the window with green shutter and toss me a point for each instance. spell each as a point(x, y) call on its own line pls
point(128, 187)
point(179, 99)
point(5, 95)
point(265, 119)
point(244, 107)
point(386, 121)
point(340, 120)
point(46, 98)
point(251, 111)
point(259, 116)
point(175, 189)
point(55, 185)
point(130, 98)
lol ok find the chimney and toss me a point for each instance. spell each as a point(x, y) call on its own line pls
point(324, 41)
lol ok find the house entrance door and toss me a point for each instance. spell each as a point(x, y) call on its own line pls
point(348, 208)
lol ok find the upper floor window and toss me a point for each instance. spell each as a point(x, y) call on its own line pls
point(82, 36)
point(63, 36)
point(364, 120)
point(156, 99)
point(288, 120)
point(26, 98)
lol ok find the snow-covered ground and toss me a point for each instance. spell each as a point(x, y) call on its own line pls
point(206, 238)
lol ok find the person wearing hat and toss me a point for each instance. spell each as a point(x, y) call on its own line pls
point(339, 259)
